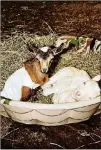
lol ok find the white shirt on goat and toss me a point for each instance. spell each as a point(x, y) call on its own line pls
point(13, 85)
point(44, 49)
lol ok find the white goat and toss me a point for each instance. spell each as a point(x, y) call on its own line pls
point(69, 85)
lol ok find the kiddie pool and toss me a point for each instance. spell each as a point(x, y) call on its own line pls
point(50, 114)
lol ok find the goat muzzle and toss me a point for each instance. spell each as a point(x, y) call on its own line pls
point(44, 70)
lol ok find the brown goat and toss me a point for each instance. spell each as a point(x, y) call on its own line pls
point(20, 83)
point(34, 71)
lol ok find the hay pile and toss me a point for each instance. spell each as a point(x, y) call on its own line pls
point(14, 52)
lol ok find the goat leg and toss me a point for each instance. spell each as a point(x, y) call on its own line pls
point(26, 93)
point(87, 51)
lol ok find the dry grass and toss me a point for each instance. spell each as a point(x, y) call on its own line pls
point(89, 63)
point(14, 52)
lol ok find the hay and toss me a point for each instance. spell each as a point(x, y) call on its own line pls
point(39, 98)
point(14, 52)
point(89, 63)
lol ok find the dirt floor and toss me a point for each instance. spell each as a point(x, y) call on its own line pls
point(85, 135)
point(75, 18)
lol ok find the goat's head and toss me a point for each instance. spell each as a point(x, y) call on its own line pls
point(45, 55)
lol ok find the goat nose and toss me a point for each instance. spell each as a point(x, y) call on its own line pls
point(44, 70)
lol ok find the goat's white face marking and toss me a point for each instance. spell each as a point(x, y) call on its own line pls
point(44, 49)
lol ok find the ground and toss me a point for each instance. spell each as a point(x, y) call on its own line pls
point(75, 18)
point(74, 136)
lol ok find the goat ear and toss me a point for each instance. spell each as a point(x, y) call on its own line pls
point(58, 50)
point(32, 47)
